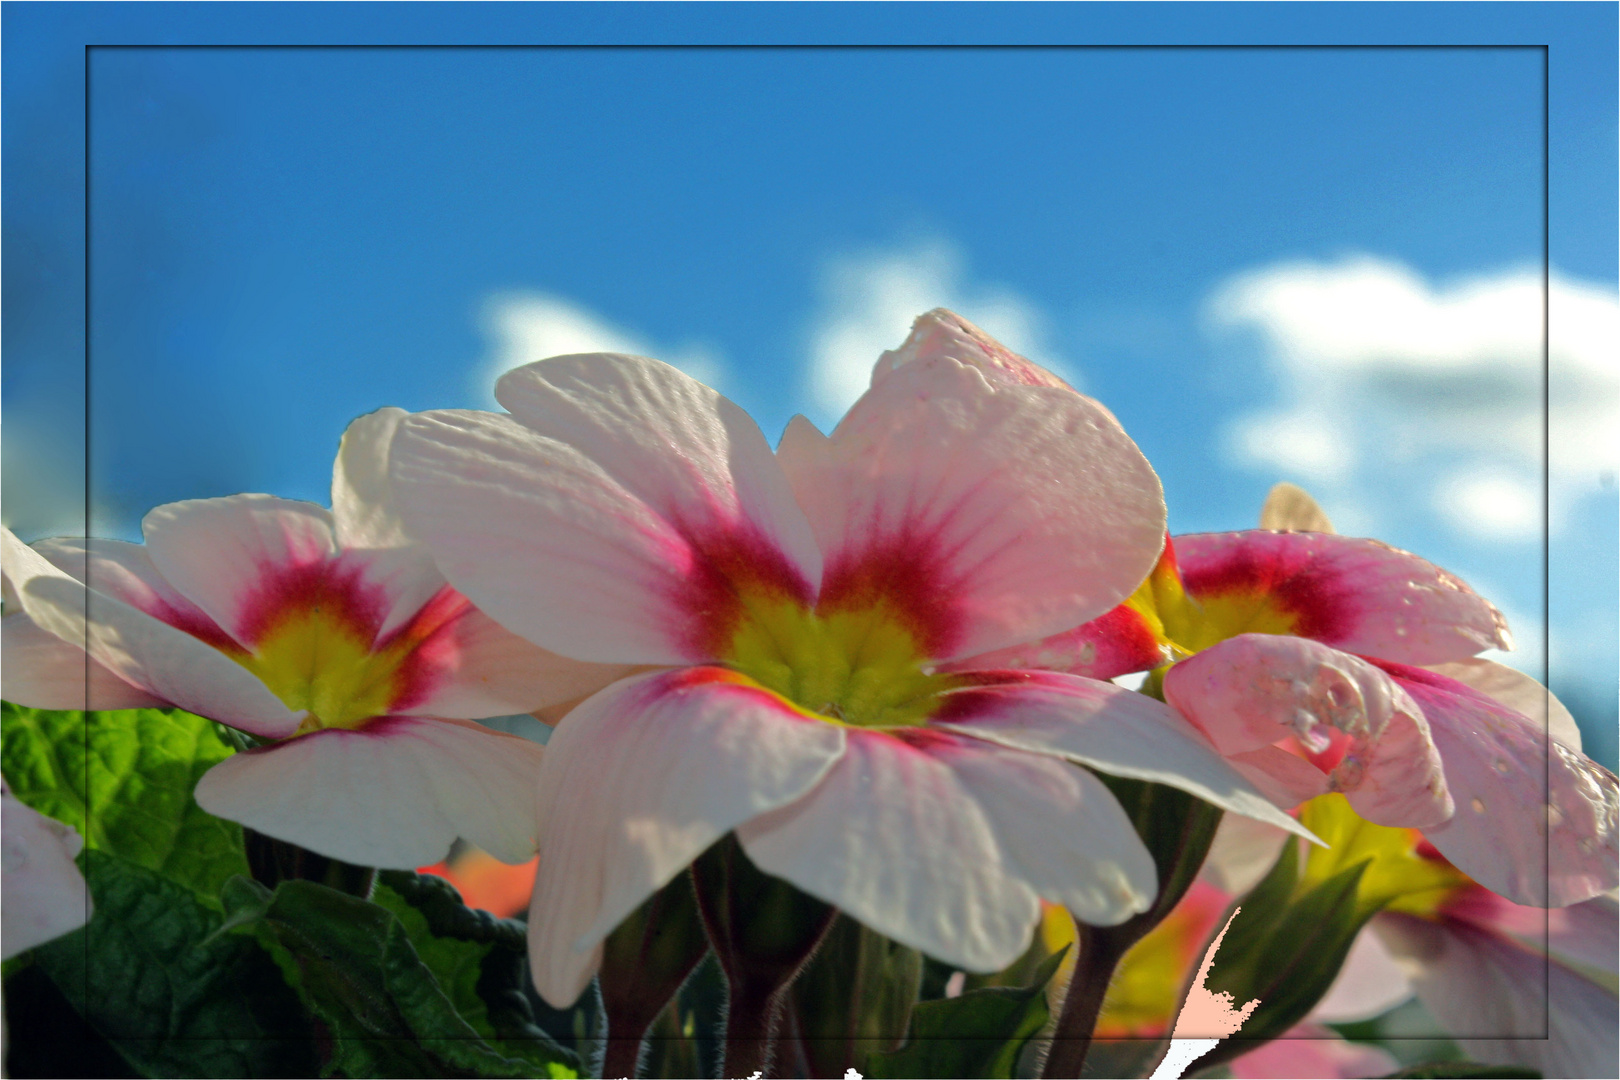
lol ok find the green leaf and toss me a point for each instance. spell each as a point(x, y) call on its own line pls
point(1285, 950)
point(354, 964)
point(124, 779)
point(175, 998)
point(1450, 1070)
point(979, 1034)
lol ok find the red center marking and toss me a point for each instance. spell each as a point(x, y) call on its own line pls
point(1300, 581)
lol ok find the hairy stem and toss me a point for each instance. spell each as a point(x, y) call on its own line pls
point(1100, 952)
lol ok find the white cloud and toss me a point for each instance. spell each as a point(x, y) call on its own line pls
point(1380, 367)
point(1492, 506)
point(871, 299)
point(527, 326)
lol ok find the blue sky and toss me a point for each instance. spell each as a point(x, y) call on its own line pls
point(1311, 264)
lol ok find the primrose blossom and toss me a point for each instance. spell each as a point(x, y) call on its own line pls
point(1317, 662)
point(328, 636)
point(802, 606)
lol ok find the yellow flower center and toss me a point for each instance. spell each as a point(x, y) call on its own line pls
point(315, 660)
point(1190, 624)
point(1397, 877)
point(858, 666)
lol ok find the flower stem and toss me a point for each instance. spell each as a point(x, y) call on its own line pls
point(1100, 951)
point(762, 930)
point(622, 1056)
point(751, 1021)
point(1177, 829)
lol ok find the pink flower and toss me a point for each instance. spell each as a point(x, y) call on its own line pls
point(803, 603)
point(328, 635)
point(1318, 662)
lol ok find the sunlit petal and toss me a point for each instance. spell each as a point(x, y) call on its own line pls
point(1358, 595)
point(639, 781)
point(1256, 689)
point(394, 793)
point(998, 513)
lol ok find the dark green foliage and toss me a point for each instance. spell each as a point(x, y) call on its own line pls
point(355, 966)
point(854, 998)
point(154, 977)
point(979, 1034)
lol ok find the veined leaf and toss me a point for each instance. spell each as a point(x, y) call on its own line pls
point(153, 976)
point(355, 966)
point(124, 779)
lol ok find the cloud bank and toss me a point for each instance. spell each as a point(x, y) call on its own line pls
point(523, 327)
point(870, 300)
point(1381, 368)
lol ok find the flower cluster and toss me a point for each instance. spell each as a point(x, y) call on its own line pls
point(878, 672)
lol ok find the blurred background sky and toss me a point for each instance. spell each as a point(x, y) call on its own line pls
point(1314, 264)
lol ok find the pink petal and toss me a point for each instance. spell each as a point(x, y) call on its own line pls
point(556, 549)
point(1308, 1050)
point(1518, 692)
point(42, 671)
point(44, 893)
point(1359, 595)
point(637, 783)
point(1106, 727)
point(1583, 937)
point(945, 333)
point(986, 514)
point(145, 652)
point(1115, 643)
point(1243, 851)
point(473, 668)
point(367, 525)
point(125, 572)
point(1284, 778)
point(1492, 995)
point(221, 553)
point(1256, 689)
point(1369, 984)
point(394, 793)
point(944, 843)
point(1498, 767)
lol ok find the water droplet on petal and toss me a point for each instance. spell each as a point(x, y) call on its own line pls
point(1400, 631)
point(1478, 804)
point(1500, 766)
point(1555, 816)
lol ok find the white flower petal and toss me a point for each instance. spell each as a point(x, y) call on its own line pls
point(217, 552)
point(896, 837)
point(147, 653)
point(553, 548)
point(640, 780)
point(1108, 728)
point(44, 893)
point(42, 671)
point(394, 793)
point(683, 449)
